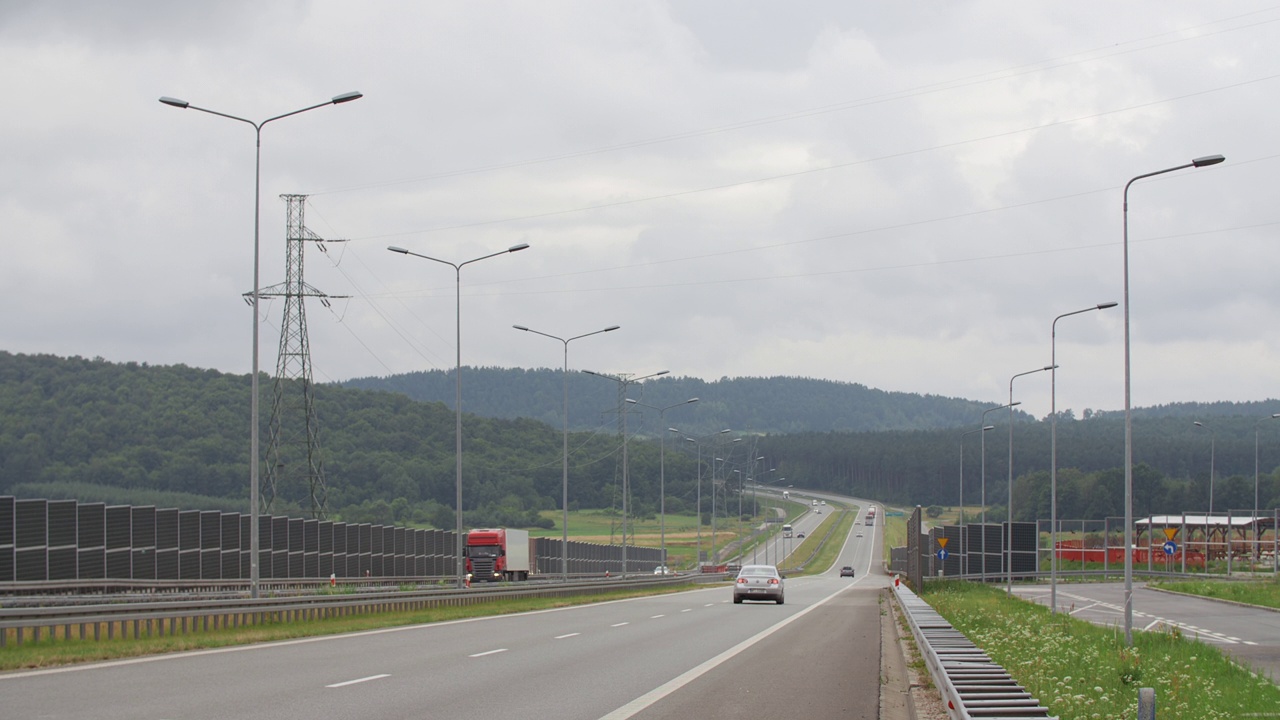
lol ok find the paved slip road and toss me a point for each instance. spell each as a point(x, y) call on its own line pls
point(1251, 635)
point(666, 656)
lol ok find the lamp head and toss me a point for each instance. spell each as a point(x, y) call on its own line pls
point(347, 97)
point(397, 249)
point(518, 248)
point(520, 327)
point(611, 328)
point(1197, 423)
point(175, 102)
point(1207, 160)
point(691, 400)
point(1105, 305)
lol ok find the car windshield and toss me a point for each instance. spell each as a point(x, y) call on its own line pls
point(484, 551)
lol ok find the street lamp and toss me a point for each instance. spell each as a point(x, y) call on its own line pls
point(1008, 543)
point(983, 499)
point(698, 444)
point(253, 380)
point(964, 544)
point(564, 501)
point(457, 383)
point(1053, 452)
point(1255, 472)
point(715, 554)
point(1128, 410)
point(1212, 443)
point(623, 381)
point(662, 468)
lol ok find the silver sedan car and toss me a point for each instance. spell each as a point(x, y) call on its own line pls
point(758, 582)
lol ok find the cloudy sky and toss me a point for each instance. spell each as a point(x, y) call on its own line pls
point(903, 195)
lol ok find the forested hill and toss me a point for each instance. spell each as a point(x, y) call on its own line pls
point(176, 436)
point(756, 405)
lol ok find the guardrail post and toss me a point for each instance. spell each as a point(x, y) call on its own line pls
point(1146, 704)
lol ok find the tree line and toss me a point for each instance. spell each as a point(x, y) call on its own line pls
point(177, 436)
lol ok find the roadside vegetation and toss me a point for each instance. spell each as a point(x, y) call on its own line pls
point(1080, 670)
point(1264, 593)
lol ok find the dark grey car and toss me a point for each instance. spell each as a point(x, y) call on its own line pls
point(759, 582)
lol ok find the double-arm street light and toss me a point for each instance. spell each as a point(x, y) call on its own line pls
point(1128, 411)
point(623, 381)
point(457, 384)
point(964, 541)
point(983, 500)
point(564, 499)
point(254, 460)
point(662, 467)
point(698, 444)
point(1273, 416)
point(1053, 451)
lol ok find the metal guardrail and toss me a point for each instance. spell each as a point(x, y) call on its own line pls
point(175, 617)
point(972, 685)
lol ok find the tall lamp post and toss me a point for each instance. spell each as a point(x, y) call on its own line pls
point(1053, 451)
point(1212, 444)
point(1008, 542)
point(254, 460)
point(564, 491)
point(715, 554)
point(964, 545)
point(983, 500)
point(698, 444)
point(623, 381)
point(662, 468)
point(457, 384)
point(1128, 410)
point(1255, 472)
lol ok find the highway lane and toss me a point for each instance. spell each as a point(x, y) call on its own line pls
point(826, 664)
point(581, 662)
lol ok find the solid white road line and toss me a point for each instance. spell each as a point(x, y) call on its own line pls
point(653, 696)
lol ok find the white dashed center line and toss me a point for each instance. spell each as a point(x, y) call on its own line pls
point(561, 637)
point(353, 682)
point(489, 652)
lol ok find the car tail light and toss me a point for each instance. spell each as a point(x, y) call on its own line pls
point(773, 581)
point(742, 581)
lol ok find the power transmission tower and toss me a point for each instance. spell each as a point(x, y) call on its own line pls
point(293, 449)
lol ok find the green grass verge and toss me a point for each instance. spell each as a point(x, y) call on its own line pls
point(49, 653)
point(1265, 593)
point(836, 528)
point(1080, 670)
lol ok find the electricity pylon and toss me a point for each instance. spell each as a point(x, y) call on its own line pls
point(293, 449)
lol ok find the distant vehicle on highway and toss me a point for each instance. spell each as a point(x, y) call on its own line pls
point(662, 570)
point(801, 536)
point(846, 571)
point(859, 534)
point(759, 582)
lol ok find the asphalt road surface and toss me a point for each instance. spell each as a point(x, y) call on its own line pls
point(687, 654)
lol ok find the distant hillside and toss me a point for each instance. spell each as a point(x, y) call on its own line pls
point(774, 405)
